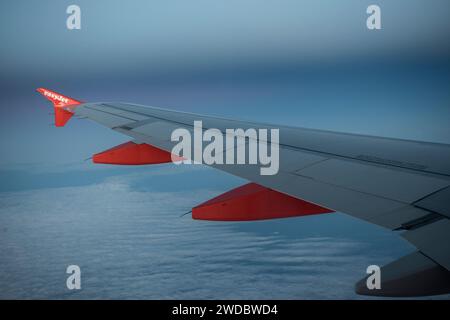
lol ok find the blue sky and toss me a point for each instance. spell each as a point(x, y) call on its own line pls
point(302, 63)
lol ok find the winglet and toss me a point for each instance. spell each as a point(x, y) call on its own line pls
point(62, 105)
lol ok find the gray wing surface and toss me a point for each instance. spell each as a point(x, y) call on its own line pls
point(397, 184)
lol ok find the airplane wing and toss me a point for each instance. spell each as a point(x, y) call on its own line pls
point(398, 184)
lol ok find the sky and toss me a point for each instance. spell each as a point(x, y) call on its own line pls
point(301, 63)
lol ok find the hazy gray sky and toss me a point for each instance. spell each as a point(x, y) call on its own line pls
point(186, 36)
point(304, 63)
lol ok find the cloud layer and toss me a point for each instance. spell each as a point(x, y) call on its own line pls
point(128, 239)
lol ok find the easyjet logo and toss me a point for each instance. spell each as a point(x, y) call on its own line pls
point(54, 96)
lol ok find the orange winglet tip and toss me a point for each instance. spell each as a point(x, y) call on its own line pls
point(62, 105)
point(254, 202)
point(131, 153)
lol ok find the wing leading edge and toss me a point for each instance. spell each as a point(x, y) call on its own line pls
point(398, 184)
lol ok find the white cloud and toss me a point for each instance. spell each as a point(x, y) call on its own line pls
point(133, 244)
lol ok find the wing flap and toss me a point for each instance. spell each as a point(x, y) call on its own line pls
point(384, 182)
point(433, 240)
point(437, 202)
point(398, 218)
point(358, 204)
